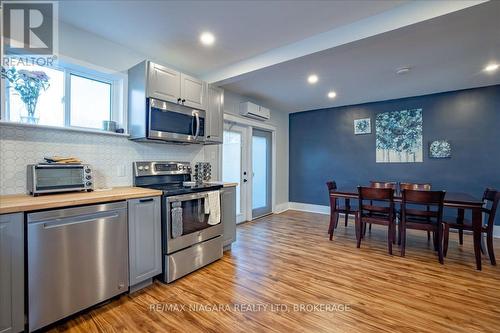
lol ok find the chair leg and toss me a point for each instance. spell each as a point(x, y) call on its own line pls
point(403, 241)
point(336, 220)
point(439, 237)
point(359, 226)
point(434, 240)
point(364, 230)
point(460, 236)
point(389, 239)
point(346, 218)
point(491, 253)
point(428, 235)
point(446, 238)
point(370, 228)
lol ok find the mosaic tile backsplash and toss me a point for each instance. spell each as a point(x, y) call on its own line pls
point(110, 156)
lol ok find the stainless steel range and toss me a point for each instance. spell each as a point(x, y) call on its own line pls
point(190, 238)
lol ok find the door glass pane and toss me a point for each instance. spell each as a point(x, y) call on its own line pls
point(90, 102)
point(262, 175)
point(231, 162)
point(259, 167)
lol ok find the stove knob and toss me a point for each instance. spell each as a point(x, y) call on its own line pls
point(88, 177)
point(87, 170)
point(140, 167)
point(146, 167)
point(88, 184)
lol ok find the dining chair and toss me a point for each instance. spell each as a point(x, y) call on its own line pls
point(429, 218)
point(491, 198)
point(381, 184)
point(381, 213)
point(416, 186)
point(346, 210)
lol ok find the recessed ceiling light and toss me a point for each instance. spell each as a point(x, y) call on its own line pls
point(332, 94)
point(403, 70)
point(312, 79)
point(207, 38)
point(491, 67)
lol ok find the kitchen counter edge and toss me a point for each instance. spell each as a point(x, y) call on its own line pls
point(25, 203)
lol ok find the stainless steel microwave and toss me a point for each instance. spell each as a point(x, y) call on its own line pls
point(54, 178)
point(165, 121)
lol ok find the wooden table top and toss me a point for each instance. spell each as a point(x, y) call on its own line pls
point(450, 198)
point(25, 203)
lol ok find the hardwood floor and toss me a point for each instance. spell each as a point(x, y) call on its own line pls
point(288, 259)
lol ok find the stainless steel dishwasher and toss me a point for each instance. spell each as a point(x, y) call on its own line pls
point(77, 257)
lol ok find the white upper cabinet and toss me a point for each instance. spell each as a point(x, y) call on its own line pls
point(164, 83)
point(193, 92)
point(215, 115)
point(173, 86)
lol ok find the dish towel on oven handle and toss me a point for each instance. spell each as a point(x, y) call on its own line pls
point(176, 219)
point(213, 206)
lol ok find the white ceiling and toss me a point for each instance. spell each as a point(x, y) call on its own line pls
point(266, 49)
point(169, 30)
point(446, 53)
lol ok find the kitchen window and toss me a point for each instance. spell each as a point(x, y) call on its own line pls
point(68, 96)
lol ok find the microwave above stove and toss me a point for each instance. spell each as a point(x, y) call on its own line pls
point(164, 121)
point(47, 178)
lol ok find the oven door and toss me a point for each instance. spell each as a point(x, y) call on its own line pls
point(173, 122)
point(195, 227)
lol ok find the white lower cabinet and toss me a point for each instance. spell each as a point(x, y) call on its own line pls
point(228, 204)
point(144, 223)
point(12, 273)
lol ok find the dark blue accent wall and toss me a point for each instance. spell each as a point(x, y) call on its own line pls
point(323, 145)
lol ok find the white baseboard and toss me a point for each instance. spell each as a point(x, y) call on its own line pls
point(303, 207)
point(282, 207)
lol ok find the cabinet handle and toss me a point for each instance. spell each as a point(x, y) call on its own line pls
point(183, 101)
point(178, 100)
point(146, 200)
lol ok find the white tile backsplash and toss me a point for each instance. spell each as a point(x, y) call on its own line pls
point(110, 156)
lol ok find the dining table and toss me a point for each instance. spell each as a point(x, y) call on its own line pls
point(458, 200)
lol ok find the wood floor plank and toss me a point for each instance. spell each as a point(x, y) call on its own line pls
point(287, 260)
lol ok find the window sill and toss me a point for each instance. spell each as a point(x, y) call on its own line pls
point(58, 128)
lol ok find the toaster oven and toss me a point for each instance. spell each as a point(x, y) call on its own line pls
point(53, 178)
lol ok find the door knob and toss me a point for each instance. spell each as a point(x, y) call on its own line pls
point(244, 180)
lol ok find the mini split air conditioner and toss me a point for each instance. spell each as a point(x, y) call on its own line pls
point(254, 111)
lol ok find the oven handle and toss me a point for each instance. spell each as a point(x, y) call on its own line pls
point(197, 116)
point(187, 197)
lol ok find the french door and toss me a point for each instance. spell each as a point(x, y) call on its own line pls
point(234, 165)
point(247, 160)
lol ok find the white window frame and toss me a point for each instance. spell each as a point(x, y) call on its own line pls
point(69, 66)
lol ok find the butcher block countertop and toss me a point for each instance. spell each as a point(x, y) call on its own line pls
point(25, 203)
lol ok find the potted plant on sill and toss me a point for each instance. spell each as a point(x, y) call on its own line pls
point(29, 85)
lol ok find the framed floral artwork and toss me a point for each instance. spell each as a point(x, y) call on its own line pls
point(440, 149)
point(362, 126)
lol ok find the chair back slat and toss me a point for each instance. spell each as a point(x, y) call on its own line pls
point(381, 184)
point(332, 185)
point(423, 197)
point(491, 199)
point(376, 193)
point(429, 199)
point(415, 186)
